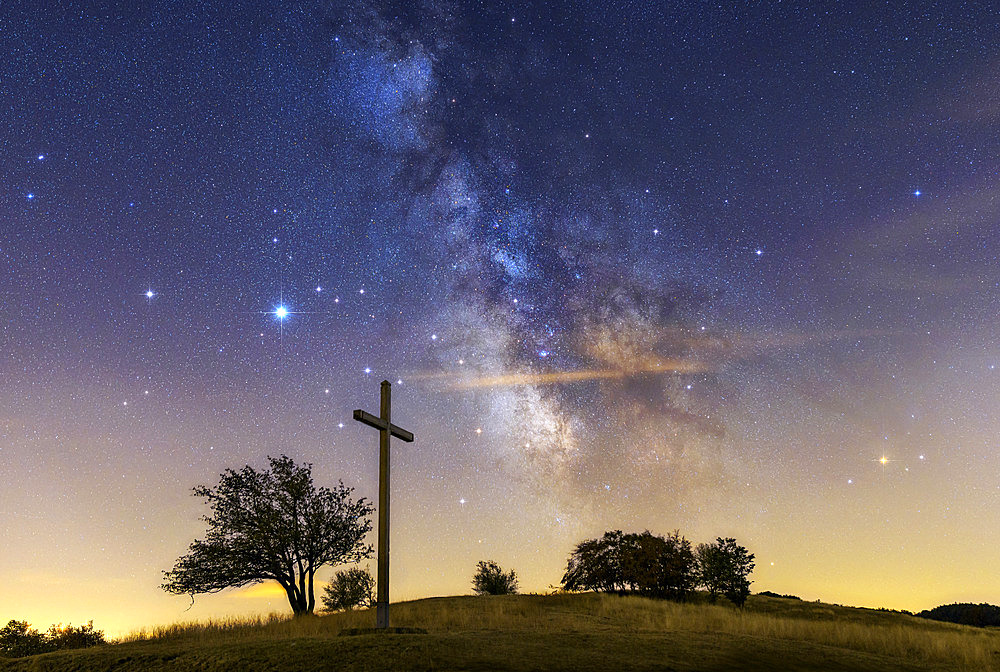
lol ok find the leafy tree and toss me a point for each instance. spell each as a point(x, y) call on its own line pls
point(350, 588)
point(18, 638)
point(490, 579)
point(723, 568)
point(272, 525)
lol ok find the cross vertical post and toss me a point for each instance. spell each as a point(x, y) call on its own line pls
point(386, 430)
point(382, 597)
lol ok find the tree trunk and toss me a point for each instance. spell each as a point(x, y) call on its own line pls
point(312, 595)
point(293, 599)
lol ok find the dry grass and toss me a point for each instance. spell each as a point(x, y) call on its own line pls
point(892, 635)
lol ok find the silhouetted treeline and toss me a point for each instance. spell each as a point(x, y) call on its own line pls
point(768, 593)
point(18, 638)
point(964, 613)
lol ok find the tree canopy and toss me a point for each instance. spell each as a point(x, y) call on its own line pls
point(272, 524)
point(643, 563)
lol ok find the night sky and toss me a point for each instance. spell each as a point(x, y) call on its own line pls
point(627, 266)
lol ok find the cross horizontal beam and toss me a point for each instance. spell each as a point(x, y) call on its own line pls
point(380, 424)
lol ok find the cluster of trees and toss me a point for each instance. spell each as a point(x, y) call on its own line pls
point(18, 638)
point(981, 615)
point(657, 566)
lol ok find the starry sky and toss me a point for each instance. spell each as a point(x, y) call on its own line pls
point(725, 269)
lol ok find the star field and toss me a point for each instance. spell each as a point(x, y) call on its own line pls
point(730, 270)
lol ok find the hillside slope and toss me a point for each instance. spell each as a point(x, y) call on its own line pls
point(555, 632)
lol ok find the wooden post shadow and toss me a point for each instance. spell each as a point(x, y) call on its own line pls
point(385, 429)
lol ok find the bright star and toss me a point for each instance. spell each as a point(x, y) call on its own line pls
point(462, 501)
point(150, 294)
point(916, 192)
point(41, 157)
point(758, 251)
point(30, 196)
point(367, 370)
point(281, 312)
point(319, 289)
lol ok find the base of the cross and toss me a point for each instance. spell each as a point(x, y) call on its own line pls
point(381, 616)
point(353, 632)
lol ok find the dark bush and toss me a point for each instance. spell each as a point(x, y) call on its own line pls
point(69, 637)
point(19, 639)
point(490, 579)
point(350, 588)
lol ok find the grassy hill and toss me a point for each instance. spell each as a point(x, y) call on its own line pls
point(554, 632)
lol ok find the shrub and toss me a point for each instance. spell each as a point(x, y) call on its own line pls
point(490, 579)
point(19, 639)
point(350, 588)
point(80, 637)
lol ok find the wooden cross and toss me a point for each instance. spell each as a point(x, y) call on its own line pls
point(385, 429)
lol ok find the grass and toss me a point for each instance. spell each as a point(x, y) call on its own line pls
point(559, 632)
